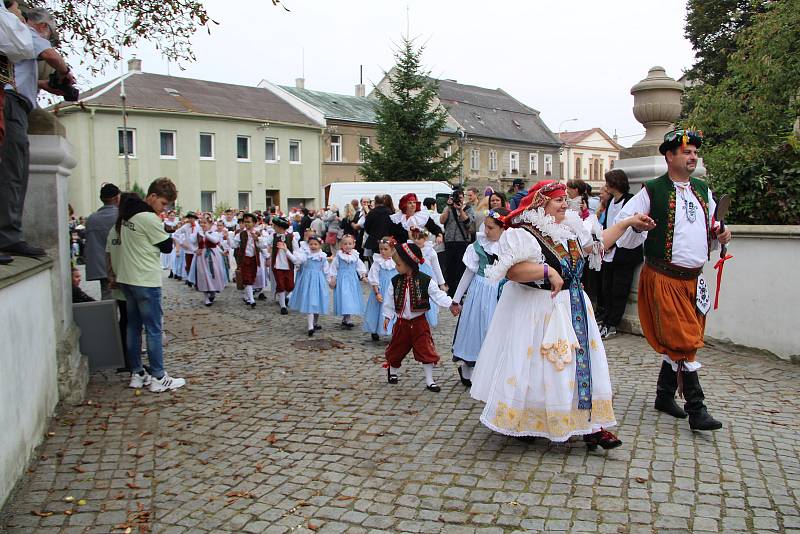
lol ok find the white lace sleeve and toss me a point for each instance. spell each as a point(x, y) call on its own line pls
point(515, 246)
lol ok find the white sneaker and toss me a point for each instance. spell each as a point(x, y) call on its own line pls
point(608, 332)
point(166, 383)
point(138, 381)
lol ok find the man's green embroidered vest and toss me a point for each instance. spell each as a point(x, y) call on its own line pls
point(418, 298)
point(662, 210)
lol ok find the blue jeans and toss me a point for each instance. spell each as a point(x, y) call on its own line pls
point(144, 310)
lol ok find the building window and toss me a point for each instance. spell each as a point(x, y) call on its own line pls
point(270, 150)
point(611, 163)
point(475, 159)
point(548, 164)
point(493, 160)
point(242, 148)
point(336, 148)
point(167, 139)
point(208, 200)
point(577, 167)
point(362, 142)
point(131, 137)
point(448, 151)
point(206, 146)
point(244, 200)
point(513, 162)
point(533, 160)
point(294, 151)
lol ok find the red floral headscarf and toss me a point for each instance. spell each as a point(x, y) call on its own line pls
point(537, 197)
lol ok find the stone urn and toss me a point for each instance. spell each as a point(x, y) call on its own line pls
point(657, 105)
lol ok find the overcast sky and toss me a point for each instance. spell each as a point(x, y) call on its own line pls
point(567, 59)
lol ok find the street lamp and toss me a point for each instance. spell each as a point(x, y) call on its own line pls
point(569, 156)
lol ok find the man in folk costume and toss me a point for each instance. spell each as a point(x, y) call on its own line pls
point(283, 244)
point(246, 254)
point(673, 296)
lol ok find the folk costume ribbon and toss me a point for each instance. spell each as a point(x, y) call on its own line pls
point(719, 266)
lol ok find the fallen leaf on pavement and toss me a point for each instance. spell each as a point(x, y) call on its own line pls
point(41, 513)
point(271, 439)
point(132, 485)
point(79, 469)
point(641, 480)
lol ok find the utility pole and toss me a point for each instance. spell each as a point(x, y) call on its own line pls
point(125, 150)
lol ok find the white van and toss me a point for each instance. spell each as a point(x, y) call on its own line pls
point(340, 193)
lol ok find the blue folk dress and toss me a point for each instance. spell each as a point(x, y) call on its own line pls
point(347, 296)
point(380, 274)
point(311, 295)
point(479, 304)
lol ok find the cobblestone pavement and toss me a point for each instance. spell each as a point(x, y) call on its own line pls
point(271, 437)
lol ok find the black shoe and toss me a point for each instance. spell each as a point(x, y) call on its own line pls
point(604, 438)
point(466, 381)
point(317, 327)
point(208, 304)
point(284, 311)
point(347, 326)
point(24, 249)
point(253, 305)
point(434, 387)
point(178, 278)
point(212, 297)
point(311, 332)
point(392, 379)
point(5, 259)
point(699, 418)
point(171, 275)
point(262, 296)
point(375, 337)
point(666, 387)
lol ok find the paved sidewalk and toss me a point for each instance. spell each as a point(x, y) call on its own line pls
point(269, 436)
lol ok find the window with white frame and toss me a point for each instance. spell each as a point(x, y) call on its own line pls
point(475, 159)
point(336, 148)
point(167, 141)
point(131, 139)
point(243, 148)
point(513, 162)
point(363, 141)
point(448, 151)
point(244, 200)
point(208, 200)
point(533, 160)
point(548, 164)
point(206, 146)
point(295, 151)
point(270, 150)
point(493, 160)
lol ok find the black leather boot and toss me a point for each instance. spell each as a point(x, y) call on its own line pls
point(699, 418)
point(665, 392)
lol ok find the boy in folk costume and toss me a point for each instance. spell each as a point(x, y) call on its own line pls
point(673, 297)
point(412, 292)
point(246, 254)
point(282, 245)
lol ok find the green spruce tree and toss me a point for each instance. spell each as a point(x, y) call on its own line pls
point(409, 126)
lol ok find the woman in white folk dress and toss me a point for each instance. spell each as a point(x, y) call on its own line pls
point(542, 370)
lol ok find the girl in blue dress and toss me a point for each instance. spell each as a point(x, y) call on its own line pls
point(482, 295)
point(310, 295)
point(430, 267)
point(346, 271)
point(379, 278)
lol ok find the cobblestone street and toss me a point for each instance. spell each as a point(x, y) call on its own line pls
point(269, 436)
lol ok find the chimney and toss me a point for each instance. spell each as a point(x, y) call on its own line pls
point(134, 65)
point(300, 83)
point(361, 89)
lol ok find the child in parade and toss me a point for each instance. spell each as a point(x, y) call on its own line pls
point(481, 295)
point(188, 238)
point(211, 274)
point(379, 278)
point(346, 270)
point(430, 267)
point(179, 258)
point(411, 295)
point(311, 295)
point(282, 246)
point(247, 255)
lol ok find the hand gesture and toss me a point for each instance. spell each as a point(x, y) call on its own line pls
point(439, 239)
point(281, 245)
point(556, 282)
point(642, 222)
point(455, 309)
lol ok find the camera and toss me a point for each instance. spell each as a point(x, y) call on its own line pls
point(456, 198)
point(70, 92)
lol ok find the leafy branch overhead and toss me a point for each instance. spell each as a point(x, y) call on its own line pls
point(409, 126)
point(96, 31)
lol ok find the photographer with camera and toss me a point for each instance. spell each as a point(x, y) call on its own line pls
point(14, 155)
point(458, 220)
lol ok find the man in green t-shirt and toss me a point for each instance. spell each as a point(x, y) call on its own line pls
point(142, 240)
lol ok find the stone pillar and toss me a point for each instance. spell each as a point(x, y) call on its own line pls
point(45, 223)
point(657, 105)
